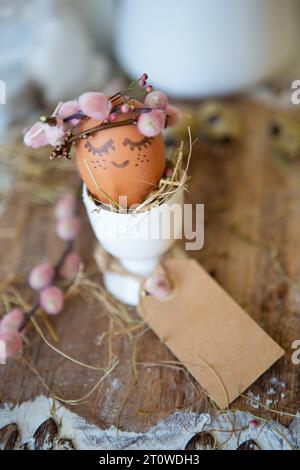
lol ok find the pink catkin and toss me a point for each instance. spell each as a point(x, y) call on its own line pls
point(113, 117)
point(158, 285)
point(65, 207)
point(36, 136)
point(95, 105)
point(41, 276)
point(68, 109)
point(68, 229)
point(71, 265)
point(125, 108)
point(55, 134)
point(12, 321)
point(142, 83)
point(52, 300)
point(151, 124)
point(169, 172)
point(13, 343)
point(156, 100)
point(173, 116)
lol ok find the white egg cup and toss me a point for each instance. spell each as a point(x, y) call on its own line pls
point(137, 241)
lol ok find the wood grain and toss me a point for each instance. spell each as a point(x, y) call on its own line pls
point(252, 227)
point(8, 437)
point(45, 434)
point(201, 441)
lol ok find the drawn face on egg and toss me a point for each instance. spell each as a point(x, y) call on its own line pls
point(105, 150)
point(120, 161)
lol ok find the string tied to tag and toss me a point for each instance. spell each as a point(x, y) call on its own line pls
point(158, 284)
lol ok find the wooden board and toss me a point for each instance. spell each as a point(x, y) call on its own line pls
point(252, 227)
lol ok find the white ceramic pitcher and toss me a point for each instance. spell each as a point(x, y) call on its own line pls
point(195, 48)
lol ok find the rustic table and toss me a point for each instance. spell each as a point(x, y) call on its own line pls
point(252, 242)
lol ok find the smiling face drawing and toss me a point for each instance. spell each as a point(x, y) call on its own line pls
point(120, 161)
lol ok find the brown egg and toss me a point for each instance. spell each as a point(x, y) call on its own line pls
point(120, 161)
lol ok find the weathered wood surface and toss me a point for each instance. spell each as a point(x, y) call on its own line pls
point(251, 202)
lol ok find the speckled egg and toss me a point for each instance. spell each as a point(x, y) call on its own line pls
point(120, 161)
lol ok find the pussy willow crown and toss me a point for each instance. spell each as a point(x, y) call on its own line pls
point(63, 127)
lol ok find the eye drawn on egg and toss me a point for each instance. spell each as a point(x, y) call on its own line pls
point(143, 143)
point(102, 150)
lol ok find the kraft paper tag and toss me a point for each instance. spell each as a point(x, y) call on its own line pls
point(209, 333)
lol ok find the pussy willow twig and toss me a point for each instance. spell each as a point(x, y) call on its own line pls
point(100, 127)
point(30, 313)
